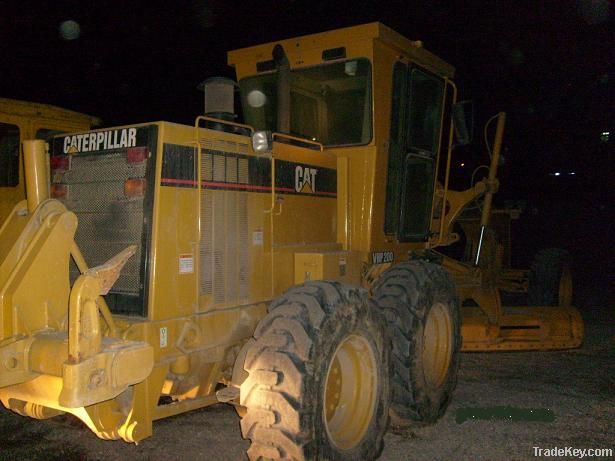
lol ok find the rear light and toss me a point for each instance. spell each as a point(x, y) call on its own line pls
point(59, 191)
point(136, 154)
point(134, 187)
point(60, 162)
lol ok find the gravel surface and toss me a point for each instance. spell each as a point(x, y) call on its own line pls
point(576, 387)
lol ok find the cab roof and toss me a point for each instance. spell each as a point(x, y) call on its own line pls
point(358, 41)
point(38, 110)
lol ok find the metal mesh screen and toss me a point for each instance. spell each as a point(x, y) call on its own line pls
point(224, 256)
point(108, 221)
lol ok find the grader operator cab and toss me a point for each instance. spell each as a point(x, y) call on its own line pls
point(285, 266)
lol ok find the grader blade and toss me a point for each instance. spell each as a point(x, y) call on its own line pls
point(522, 328)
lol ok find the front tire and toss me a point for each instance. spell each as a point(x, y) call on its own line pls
point(318, 377)
point(422, 313)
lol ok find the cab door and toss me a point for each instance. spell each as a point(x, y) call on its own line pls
point(416, 119)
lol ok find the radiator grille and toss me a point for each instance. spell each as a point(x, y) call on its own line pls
point(108, 221)
point(224, 255)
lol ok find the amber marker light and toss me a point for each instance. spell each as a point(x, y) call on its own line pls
point(134, 187)
point(59, 191)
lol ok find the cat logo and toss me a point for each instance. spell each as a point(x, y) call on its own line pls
point(305, 179)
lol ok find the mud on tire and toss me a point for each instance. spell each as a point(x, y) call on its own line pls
point(319, 347)
point(422, 314)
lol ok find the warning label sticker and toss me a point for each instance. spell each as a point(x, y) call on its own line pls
point(186, 264)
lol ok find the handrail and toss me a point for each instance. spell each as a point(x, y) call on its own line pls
point(225, 122)
point(448, 167)
point(298, 139)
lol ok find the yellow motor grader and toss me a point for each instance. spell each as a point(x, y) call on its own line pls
point(287, 265)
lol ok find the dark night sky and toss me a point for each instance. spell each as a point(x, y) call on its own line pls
point(549, 64)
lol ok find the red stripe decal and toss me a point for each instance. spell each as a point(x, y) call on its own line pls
point(225, 185)
point(178, 181)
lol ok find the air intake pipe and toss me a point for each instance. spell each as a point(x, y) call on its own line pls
point(36, 164)
point(283, 67)
point(219, 95)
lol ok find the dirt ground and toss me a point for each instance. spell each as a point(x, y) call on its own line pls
point(576, 387)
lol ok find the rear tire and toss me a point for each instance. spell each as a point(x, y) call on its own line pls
point(550, 279)
point(320, 346)
point(422, 313)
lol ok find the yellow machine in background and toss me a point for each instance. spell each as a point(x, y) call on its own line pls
point(285, 266)
point(21, 120)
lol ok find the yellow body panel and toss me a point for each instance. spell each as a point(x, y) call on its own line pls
point(344, 266)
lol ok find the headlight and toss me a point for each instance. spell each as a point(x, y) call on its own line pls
point(261, 141)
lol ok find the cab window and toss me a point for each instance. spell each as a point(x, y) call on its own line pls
point(9, 155)
point(47, 133)
point(330, 103)
point(416, 113)
point(425, 111)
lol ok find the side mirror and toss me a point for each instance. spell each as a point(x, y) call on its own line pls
point(463, 121)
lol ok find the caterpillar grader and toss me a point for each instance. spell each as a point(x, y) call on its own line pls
point(287, 265)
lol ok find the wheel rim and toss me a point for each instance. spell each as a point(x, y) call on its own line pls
point(437, 345)
point(350, 392)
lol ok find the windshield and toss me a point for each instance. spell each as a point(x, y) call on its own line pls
point(330, 104)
